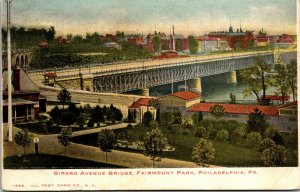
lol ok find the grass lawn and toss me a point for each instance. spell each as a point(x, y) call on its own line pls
point(43, 161)
point(226, 154)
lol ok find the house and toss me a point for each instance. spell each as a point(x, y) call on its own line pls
point(178, 102)
point(140, 107)
point(283, 118)
point(27, 102)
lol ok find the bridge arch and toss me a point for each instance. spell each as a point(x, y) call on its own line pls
point(17, 60)
point(22, 61)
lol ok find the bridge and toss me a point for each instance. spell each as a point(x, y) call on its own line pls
point(140, 75)
point(18, 57)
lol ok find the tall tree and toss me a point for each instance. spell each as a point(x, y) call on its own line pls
point(256, 77)
point(292, 77)
point(64, 96)
point(147, 117)
point(106, 141)
point(97, 114)
point(154, 143)
point(280, 80)
point(257, 122)
point(193, 44)
point(64, 137)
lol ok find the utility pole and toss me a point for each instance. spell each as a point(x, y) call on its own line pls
point(1, 77)
point(9, 73)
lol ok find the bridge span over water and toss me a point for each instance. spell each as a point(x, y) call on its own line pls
point(140, 75)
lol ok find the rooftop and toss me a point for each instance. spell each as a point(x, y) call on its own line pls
point(275, 97)
point(235, 108)
point(186, 95)
point(141, 102)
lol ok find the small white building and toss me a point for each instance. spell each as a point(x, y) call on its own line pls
point(178, 102)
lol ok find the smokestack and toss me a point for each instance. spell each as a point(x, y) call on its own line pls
point(16, 80)
point(173, 29)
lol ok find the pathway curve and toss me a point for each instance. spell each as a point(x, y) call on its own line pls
point(48, 145)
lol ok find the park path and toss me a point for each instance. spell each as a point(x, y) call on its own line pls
point(49, 145)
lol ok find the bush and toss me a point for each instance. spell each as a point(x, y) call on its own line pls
point(91, 123)
point(186, 131)
point(253, 139)
point(167, 118)
point(177, 118)
point(200, 132)
point(274, 156)
point(203, 152)
point(222, 135)
point(238, 134)
point(265, 144)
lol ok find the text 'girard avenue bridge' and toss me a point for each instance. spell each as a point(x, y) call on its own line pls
point(140, 75)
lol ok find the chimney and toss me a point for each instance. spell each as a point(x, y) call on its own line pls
point(16, 80)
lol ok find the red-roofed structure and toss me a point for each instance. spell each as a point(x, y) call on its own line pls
point(140, 107)
point(141, 102)
point(276, 98)
point(186, 95)
point(235, 108)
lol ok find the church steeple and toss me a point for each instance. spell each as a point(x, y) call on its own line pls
point(230, 28)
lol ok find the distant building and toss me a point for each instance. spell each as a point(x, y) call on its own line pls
point(140, 107)
point(137, 39)
point(238, 39)
point(284, 40)
point(112, 45)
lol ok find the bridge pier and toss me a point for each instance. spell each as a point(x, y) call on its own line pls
point(231, 78)
point(145, 92)
point(195, 85)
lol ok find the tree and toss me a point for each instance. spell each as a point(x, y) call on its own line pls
point(203, 152)
point(217, 111)
point(257, 122)
point(274, 156)
point(156, 105)
point(193, 44)
point(64, 137)
point(167, 118)
point(238, 45)
point(157, 43)
point(23, 139)
point(64, 96)
point(197, 118)
point(97, 114)
point(280, 80)
point(106, 141)
point(232, 98)
point(154, 144)
point(256, 78)
point(292, 77)
point(49, 34)
point(177, 117)
point(55, 114)
point(147, 117)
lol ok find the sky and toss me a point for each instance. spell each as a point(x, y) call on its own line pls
point(195, 17)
